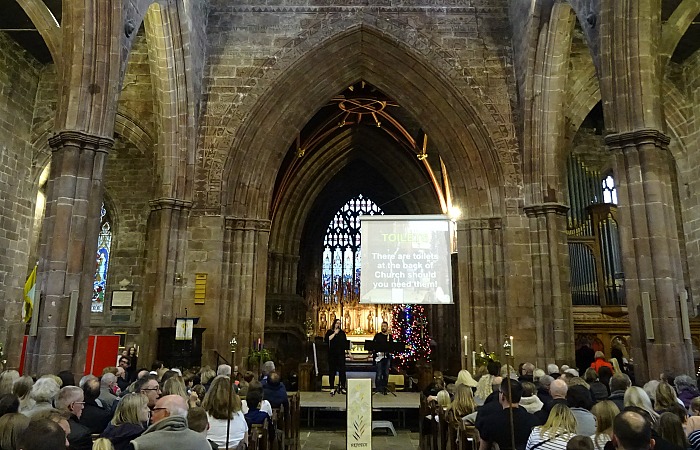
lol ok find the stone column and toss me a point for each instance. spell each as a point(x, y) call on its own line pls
point(69, 245)
point(166, 241)
point(244, 279)
point(650, 251)
point(481, 282)
point(554, 326)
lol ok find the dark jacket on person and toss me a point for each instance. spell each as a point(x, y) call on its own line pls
point(121, 435)
point(79, 437)
point(276, 394)
point(598, 391)
point(618, 397)
point(95, 417)
point(544, 395)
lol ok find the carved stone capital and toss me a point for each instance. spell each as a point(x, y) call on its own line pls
point(544, 209)
point(486, 223)
point(169, 203)
point(636, 138)
point(246, 223)
point(80, 139)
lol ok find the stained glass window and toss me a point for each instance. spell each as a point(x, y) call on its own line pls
point(341, 251)
point(609, 190)
point(104, 242)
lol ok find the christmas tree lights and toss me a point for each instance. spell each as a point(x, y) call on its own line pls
point(410, 325)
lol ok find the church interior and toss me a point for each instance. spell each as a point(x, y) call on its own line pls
point(211, 160)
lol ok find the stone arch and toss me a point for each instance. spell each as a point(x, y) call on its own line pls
point(323, 166)
point(174, 98)
point(470, 154)
point(676, 27)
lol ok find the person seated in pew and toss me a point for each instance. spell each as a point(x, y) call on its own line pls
point(255, 415)
point(275, 392)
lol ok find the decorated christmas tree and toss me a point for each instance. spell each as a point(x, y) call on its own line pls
point(410, 325)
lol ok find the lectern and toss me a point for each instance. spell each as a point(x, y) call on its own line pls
point(179, 353)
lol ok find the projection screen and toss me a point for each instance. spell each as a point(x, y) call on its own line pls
point(406, 259)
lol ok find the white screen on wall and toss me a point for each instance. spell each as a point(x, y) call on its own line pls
point(406, 259)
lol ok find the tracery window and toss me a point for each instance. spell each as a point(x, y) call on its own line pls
point(341, 251)
point(609, 190)
point(104, 243)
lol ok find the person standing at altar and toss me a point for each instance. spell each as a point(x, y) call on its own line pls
point(382, 359)
point(337, 347)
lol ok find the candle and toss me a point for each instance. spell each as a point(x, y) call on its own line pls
point(466, 345)
point(473, 360)
point(512, 352)
point(259, 344)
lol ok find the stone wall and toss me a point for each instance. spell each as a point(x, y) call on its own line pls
point(19, 78)
point(250, 48)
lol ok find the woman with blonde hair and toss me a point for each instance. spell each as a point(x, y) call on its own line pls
point(129, 421)
point(462, 405)
point(11, 426)
point(217, 402)
point(556, 432)
point(665, 398)
point(443, 399)
point(635, 396)
point(604, 413)
point(465, 378)
point(7, 379)
point(102, 444)
point(484, 388)
point(22, 387)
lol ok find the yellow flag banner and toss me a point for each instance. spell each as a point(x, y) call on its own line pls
point(29, 292)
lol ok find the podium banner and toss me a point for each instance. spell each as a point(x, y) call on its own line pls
point(359, 413)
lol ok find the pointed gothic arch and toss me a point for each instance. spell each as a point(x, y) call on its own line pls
point(365, 53)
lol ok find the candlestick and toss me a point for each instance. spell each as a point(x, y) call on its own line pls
point(473, 360)
point(512, 352)
point(466, 345)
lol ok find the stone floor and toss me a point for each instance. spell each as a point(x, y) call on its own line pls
point(335, 440)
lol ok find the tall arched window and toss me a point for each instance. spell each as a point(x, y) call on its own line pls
point(104, 243)
point(341, 251)
point(609, 190)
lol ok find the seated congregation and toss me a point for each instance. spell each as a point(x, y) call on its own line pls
point(144, 409)
point(530, 409)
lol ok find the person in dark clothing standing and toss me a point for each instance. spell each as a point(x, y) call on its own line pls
point(337, 346)
point(382, 359)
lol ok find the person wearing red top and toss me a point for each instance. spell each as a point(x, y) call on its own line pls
point(601, 362)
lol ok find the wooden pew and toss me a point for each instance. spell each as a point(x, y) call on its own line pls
point(292, 423)
point(258, 438)
point(443, 428)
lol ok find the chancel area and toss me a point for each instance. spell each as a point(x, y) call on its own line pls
point(189, 178)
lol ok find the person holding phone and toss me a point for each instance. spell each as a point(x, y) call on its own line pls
point(337, 347)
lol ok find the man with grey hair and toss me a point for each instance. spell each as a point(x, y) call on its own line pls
point(543, 389)
point(71, 401)
point(526, 372)
point(223, 369)
point(266, 368)
point(108, 389)
point(169, 429)
point(687, 389)
point(553, 370)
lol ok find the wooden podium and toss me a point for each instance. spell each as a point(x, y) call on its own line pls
point(179, 353)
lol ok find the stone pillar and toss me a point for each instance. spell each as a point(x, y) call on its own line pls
point(554, 326)
point(244, 278)
point(481, 283)
point(69, 245)
point(651, 257)
point(166, 241)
